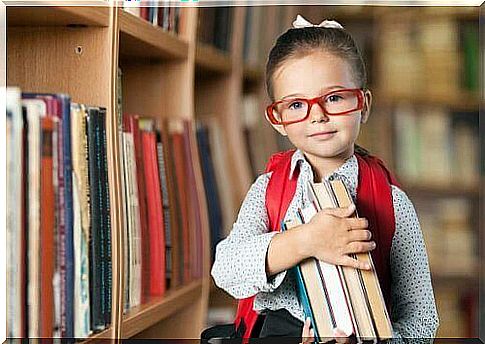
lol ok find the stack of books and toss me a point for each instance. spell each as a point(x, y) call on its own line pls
point(338, 296)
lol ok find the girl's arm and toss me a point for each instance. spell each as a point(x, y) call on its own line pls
point(240, 259)
point(413, 308)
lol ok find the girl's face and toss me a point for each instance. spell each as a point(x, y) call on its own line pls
point(311, 76)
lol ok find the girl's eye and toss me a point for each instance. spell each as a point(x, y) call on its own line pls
point(334, 98)
point(296, 105)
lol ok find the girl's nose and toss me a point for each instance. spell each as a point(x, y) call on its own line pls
point(317, 114)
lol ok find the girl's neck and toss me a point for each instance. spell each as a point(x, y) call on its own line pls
point(324, 166)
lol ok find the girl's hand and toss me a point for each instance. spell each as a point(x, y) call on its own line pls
point(331, 235)
point(307, 335)
point(341, 337)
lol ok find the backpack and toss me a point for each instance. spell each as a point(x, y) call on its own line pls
point(373, 193)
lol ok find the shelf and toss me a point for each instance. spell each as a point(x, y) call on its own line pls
point(464, 100)
point(211, 59)
point(140, 38)
point(105, 334)
point(58, 16)
point(139, 318)
point(441, 191)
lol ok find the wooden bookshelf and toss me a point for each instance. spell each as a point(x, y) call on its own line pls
point(58, 16)
point(211, 59)
point(158, 309)
point(139, 38)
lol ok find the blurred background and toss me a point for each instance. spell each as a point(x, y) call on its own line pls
point(423, 70)
point(192, 80)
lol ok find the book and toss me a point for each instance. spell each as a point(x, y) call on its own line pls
point(174, 210)
point(337, 296)
point(100, 244)
point(166, 203)
point(47, 223)
point(211, 187)
point(131, 125)
point(32, 109)
point(132, 211)
point(16, 275)
point(155, 214)
point(82, 220)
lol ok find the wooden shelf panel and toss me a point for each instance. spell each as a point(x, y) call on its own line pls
point(105, 334)
point(466, 101)
point(140, 38)
point(141, 317)
point(443, 190)
point(58, 16)
point(211, 59)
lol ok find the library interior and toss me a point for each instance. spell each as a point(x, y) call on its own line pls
point(135, 131)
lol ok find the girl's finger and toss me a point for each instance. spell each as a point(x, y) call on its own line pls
point(306, 331)
point(354, 263)
point(340, 336)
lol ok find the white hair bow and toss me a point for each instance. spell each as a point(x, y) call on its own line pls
point(301, 22)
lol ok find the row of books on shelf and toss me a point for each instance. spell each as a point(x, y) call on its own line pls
point(214, 26)
point(59, 268)
point(436, 147)
point(59, 218)
point(168, 18)
point(163, 220)
point(438, 56)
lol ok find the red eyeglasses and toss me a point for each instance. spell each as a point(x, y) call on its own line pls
point(334, 103)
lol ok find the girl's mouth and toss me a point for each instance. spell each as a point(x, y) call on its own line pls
point(323, 134)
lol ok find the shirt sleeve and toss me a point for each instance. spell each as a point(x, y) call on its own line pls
point(240, 259)
point(414, 313)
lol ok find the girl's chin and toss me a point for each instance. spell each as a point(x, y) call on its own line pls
point(326, 152)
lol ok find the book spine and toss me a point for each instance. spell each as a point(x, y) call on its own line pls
point(47, 218)
point(106, 215)
point(65, 112)
point(166, 210)
point(96, 267)
point(32, 153)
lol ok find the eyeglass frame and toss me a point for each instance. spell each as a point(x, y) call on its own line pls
point(312, 101)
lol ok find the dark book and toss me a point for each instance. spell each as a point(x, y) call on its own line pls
point(97, 250)
point(166, 208)
point(211, 189)
point(176, 254)
point(106, 215)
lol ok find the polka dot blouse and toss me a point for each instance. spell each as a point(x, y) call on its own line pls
point(239, 266)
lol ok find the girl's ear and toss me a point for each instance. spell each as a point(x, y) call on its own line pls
point(367, 106)
point(278, 127)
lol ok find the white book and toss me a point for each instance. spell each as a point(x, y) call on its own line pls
point(338, 302)
point(35, 110)
point(14, 214)
point(81, 225)
point(134, 226)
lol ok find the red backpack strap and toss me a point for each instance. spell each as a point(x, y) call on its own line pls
point(279, 193)
point(374, 202)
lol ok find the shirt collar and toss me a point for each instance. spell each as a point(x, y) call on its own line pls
point(348, 171)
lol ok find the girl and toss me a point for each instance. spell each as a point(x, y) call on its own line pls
point(316, 79)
